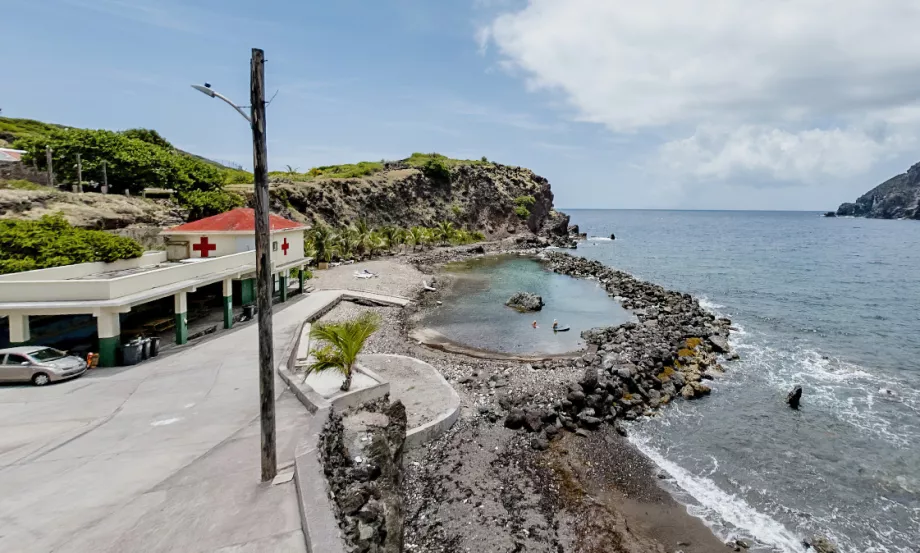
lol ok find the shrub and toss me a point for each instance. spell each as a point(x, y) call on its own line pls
point(203, 204)
point(522, 212)
point(436, 169)
point(52, 242)
point(526, 201)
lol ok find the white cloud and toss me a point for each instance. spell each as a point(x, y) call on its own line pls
point(783, 87)
point(805, 156)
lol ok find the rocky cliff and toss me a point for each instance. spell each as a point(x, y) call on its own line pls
point(896, 198)
point(496, 199)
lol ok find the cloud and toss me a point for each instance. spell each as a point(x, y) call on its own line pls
point(755, 84)
point(807, 156)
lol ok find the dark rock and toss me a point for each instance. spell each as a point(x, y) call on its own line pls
point(582, 432)
point(613, 236)
point(576, 397)
point(589, 421)
point(540, 444)
point(525, 301)
point(371, 511)
point(532, 421)
point(794, 397)
point(515, 419)
point(589, 379)
point(719, 344)
point(830, 214)
point(353, 499)
point(621, 430)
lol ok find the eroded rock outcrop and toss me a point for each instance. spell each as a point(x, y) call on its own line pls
point(896, 198)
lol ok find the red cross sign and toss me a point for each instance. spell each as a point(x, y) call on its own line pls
point(285, 246)
point(204, 246)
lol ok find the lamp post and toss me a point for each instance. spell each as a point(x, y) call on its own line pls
point(263, 255)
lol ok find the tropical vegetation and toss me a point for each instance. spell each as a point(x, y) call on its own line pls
point(52, 242)
point(340, 345)
point(325, 243)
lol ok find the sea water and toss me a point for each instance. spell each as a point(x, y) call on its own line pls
point(474, 312)
point(832, 305)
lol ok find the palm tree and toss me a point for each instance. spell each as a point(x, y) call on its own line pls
point(347, 243)
point(390, 237)
point(323, 242)
point(343, 342)
point(444, 232)
point(291, 171)
point(416, 237)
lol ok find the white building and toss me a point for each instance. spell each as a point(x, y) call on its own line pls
point(215, 249)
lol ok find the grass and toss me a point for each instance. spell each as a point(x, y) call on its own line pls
point(19, 184)
point(367, 168)
point(11, 129)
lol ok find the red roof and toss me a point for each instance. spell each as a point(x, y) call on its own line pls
point(241, 219)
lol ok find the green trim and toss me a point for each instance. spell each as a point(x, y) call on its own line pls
point(247, 291)
point(300, 277)
point(181, 328)
point(228, 311)
point(108, 348)
point(283, 286)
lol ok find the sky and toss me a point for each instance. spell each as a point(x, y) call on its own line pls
point(663, 104)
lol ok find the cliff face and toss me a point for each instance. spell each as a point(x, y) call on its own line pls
point(896, 198)
point(483, 197)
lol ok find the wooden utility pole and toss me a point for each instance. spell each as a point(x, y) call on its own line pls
point(48, 152)
point(79, 174)
point(263, 266)
point(105, 178)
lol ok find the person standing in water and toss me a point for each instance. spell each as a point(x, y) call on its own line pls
point(534, 324)
point(555, 325)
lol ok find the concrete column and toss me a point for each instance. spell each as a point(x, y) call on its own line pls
point(228, 303)
point(300, 278)
point(19, 329)
point(181, 311)
point(108, 326)
point(283, 285)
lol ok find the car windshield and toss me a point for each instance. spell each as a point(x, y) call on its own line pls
point(47, 354)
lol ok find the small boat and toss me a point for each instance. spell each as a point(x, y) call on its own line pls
point(563, 329)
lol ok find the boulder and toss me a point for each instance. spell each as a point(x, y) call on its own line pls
point(822, 545)
point(515, 419)
point(719, 344)
point(533, 421)
point(794, 397)
point(525, 301)
point(589, 380)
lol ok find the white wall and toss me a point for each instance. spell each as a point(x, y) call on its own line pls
point(295, 249)
point(85, 269)
point(226, 243)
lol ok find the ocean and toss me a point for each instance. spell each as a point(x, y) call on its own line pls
point(830, 304)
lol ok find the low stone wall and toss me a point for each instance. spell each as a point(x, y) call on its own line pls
point(366, 485)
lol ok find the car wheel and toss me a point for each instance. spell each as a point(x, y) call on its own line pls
point(40, 379)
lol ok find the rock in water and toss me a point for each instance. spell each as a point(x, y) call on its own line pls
point(820, 544)
point(525, 301)
point(719, 344)
point(613, 236)
point(794, 397)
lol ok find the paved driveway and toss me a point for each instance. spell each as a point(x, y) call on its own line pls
point(163, 456)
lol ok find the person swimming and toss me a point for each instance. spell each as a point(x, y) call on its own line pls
point(534, 324)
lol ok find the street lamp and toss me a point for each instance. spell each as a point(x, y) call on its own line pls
point(263, 252)
point(206, 89)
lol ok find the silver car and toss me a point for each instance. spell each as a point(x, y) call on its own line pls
point(38, 365)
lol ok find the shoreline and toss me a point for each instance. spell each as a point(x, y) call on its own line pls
point(481, 462)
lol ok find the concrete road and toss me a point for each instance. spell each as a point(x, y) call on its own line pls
point(163, 456)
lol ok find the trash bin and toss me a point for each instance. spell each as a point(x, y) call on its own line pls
point(132, 353)
point(249, 311)
point(145, 348)
point(154, 346)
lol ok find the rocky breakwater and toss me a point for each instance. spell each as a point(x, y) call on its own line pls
point(362, 455)
point(632, 369)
